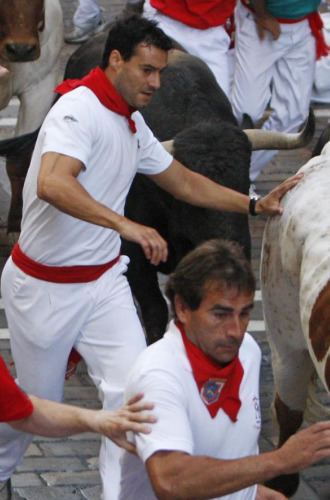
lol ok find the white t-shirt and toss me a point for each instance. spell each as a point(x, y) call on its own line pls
point(78, 125)
point(163, 374)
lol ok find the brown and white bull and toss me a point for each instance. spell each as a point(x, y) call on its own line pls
point(295, 282)
point(31, 37)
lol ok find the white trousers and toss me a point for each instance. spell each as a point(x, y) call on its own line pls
point(211, 45)
point(87, 13)
point(45, 321)
point(278, 73)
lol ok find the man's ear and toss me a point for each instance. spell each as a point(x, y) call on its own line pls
point(115, 60)
point(180, 308)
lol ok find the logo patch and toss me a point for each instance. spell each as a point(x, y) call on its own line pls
point(70, 118)
point(211, 390)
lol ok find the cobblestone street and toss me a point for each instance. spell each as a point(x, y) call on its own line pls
point(66, 469)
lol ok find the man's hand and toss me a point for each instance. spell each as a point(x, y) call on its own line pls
point(134, 416)
point(264, 493)
point(270, 204)
point(153, 245)
point(268, 23)
point(265, 21)
point(305, 448)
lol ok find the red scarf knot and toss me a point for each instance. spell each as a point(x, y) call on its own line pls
point(218, 386)
point(107, 94)
point(316, 26)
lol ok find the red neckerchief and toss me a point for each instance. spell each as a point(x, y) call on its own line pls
point(218, 387)
point(107, 94)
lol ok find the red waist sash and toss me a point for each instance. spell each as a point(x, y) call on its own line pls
point(196, 13)
point(59, 274)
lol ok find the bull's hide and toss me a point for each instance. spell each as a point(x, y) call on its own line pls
point(33, 82)
point(295, 279)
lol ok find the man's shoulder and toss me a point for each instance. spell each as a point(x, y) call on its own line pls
point(165, 355)
point(79, 99)
point(161, 353)
point(250, 351)
point(250, 343)
point(140, 123)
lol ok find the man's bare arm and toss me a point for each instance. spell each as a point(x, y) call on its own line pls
point(56, 420)
point(58, 185)
point(265, 21)
point(198, 190)
point(176, 475)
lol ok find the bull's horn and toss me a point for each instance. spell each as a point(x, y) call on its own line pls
point(168, 145)
point(266, 139)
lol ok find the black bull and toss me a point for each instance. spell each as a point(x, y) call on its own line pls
point(191, 107)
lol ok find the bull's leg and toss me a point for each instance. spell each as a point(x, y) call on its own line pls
point(142, 278)
point(17, 167)
point(292, 373)
point(35, 102)
point(289, 422)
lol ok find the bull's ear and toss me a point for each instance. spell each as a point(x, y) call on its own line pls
point(168, 145)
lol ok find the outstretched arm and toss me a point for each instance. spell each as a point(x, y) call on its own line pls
point(59, 186)
point(182, 476)
point(56, 420)
point(198, 190)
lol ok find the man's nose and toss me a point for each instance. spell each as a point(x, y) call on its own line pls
point(154, 80)
point(234, 327)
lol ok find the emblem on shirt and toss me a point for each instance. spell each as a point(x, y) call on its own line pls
point(210, 391)
point(70, 118)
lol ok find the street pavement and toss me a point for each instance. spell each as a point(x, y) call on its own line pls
point(67, 468)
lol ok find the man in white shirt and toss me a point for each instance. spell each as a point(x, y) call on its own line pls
point(203, 377)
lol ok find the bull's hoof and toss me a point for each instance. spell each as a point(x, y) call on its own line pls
point(286, 484)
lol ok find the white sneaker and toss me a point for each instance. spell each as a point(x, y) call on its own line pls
point(79, 35)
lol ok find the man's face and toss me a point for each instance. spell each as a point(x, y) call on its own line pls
point(138, 78)
point(217, 327)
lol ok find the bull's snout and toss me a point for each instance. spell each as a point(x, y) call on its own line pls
point(22, 52)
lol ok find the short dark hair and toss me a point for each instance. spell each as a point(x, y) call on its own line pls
point(217, 262)
point(126, 33)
